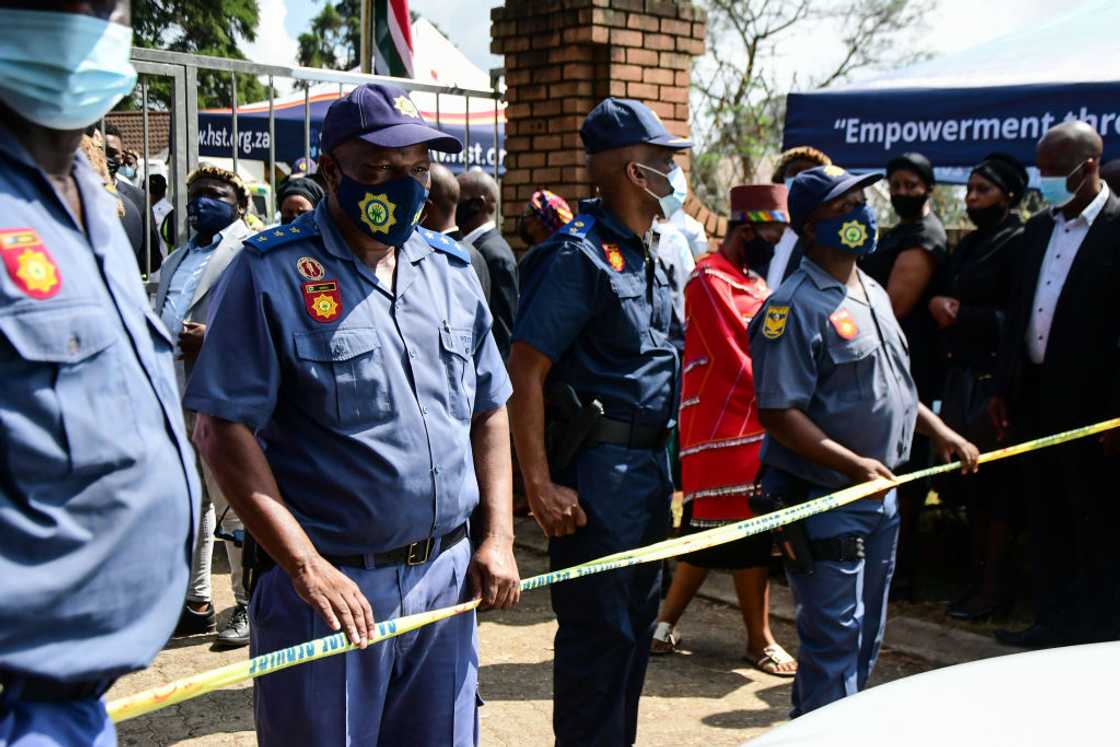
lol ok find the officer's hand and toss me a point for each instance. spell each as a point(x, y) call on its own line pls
point(336, 598)
point(190, 340)
point(947, 443)
point(493, 574)
point(556, 508)
point(868, 470)
point(997, 413)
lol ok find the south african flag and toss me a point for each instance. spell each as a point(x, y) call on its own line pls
point(392, 37)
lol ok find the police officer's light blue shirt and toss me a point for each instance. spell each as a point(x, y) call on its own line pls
point(99, 492)
point(816, 348)
point(184, 283)
point(586, 303)
point(361, 397)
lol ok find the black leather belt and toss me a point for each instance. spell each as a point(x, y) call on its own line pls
point(630, 435)
point(842, 549)
point(416, 553)
point(44, 689)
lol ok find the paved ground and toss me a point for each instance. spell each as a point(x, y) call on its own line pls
point(706, 695)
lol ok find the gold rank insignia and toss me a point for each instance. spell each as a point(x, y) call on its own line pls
point(774, 325)
point(833, 171)
point(378, 213)
point(853, 234)
point(614, 257)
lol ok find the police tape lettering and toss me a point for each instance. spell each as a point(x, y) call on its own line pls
point(337, 643)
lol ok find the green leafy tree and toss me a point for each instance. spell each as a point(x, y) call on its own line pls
point(209, 27)
point(738, 102)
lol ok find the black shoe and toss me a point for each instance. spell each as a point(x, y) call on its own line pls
point(236, 633)
point(1036, 636)
point(196, 623)
point(977, 612)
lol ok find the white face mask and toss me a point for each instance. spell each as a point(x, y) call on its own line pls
point(673, 201)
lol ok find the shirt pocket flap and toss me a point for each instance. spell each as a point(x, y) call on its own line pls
point(330, 346)
point(456, 341)
point(59, 335)
point(627, 286)
point(850, 351)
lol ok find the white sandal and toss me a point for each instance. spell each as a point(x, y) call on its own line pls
point(773, 657)
point(665, 640)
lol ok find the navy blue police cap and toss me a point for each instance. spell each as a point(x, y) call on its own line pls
point(618, 123)
point(384, 115)
point(815, 187)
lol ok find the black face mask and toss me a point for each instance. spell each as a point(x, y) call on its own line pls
point(758, 253)
point(465, 211)
point(908, 206)
point(988, 217)
point(114, 165)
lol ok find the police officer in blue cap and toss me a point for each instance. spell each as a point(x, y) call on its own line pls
point(832, 373)
point(352, 406)
point(99, 492)
point(595, 395)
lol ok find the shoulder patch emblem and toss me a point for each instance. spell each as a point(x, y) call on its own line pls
point(843, 323)
point(323, 301)
point(310, 268)
point(614, 257)
point(774, 325)
point(30, 266)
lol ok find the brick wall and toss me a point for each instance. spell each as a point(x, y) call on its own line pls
point(561, 58)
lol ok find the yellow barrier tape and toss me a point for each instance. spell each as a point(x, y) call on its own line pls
point(215, 679)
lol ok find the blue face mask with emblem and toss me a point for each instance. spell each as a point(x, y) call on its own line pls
point(855, 232)
point(209, 216)
point(387, 212)
point(63, 71)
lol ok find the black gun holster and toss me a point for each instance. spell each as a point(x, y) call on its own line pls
point(569, 425)
point(792, 539)
point(254, 561)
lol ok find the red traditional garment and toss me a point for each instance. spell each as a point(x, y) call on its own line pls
point(719, 429)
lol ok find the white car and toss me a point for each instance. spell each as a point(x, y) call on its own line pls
point(1056, 697)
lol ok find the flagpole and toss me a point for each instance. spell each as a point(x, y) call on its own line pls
point(367, 33)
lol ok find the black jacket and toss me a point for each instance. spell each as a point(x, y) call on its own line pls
point(980, 274)
point(133, 221)
point(503, 285)
point(1080, 376)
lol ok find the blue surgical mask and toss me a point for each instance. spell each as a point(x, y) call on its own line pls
point(63, 71)
point(855, 232)
point(387, 212)
point(128, 172)
point(209, 216)
point(1054, 189)
point(673, 201)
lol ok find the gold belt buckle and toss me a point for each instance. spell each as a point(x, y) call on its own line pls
point(413, 557)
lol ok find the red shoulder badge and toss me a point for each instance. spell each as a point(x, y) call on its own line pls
point(614, 257)
point(323, 300)
point(843, 323)
point(30, 266)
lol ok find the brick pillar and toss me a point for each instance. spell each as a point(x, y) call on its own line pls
point(564, 56)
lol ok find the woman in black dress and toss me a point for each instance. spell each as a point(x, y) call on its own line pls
point(973, 291)
point(905, 262)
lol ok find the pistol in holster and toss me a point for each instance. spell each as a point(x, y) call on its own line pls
point(570, 425)
point(792, 539)
point(255, 562)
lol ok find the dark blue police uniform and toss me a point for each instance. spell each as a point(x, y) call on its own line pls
point(590, 302)
point(361, 397)
point(843, 361)
point(99, 495)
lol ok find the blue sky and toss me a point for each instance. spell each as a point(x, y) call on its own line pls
point(953, 26)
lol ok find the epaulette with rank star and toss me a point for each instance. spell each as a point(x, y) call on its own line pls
point(579, 226)
point(279, 235)
point(444, 243)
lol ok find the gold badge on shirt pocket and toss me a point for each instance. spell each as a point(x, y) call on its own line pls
point(774, 325)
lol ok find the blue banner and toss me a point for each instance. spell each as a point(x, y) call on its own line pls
point(863, 129)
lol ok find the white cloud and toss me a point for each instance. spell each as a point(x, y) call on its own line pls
point(273, 45)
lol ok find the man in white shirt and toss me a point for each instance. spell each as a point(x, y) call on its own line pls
point(692, 230)
point(1059, 369)
point(675, 254)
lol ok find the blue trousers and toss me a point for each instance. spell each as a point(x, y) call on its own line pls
point(842, 606)
point(76, 723)
point(606, 620)
point(420, 688)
